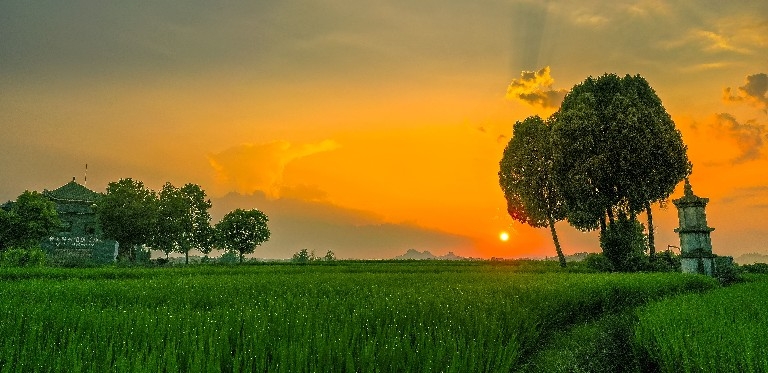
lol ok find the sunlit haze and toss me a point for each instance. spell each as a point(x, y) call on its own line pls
point(371, 128)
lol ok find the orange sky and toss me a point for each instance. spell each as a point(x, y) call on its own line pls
point(370, 129)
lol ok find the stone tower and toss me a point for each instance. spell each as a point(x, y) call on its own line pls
point(695, 244)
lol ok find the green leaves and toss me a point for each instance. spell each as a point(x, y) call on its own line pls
point(28, 220)
point(242, 230)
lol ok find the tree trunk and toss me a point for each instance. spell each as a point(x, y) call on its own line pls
point(651, 238)
point(560, 255)
point(186, 257)
point(241, 257)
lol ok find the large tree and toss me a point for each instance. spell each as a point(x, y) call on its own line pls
point(128, 214)
point(242, 231)
point(525, 177)
point(183, 220)
point(28, 220)
point(617, 151)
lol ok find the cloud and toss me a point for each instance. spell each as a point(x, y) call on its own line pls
point(753, 92)
point(751, 194)
point(247, 168)
point(321, 226)
point(535, 88)
point(749, 136)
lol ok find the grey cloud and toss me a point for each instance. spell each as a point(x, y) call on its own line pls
point(753, 92)
point(748, 136)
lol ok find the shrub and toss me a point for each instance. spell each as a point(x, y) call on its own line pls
point(624, 243)
point(23, 257)
point(598, 262)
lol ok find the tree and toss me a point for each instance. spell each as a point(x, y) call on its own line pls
point(525, 177)
point(618, 151)
point(183, 220)
point(28, 220)
point(128, 214)
point(242, 231)
point(197, 220)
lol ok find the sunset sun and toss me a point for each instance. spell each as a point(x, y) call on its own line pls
point(504, 236)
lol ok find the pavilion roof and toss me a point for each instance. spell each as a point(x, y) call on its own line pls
point(72, 191)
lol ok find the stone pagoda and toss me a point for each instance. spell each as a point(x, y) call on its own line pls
point(695, 244)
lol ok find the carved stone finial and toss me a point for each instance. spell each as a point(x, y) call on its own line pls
point(688, 188)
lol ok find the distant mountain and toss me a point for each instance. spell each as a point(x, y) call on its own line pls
point(412, 254)
point(751, 258)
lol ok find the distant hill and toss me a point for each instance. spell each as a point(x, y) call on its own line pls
point(412, 254)
point(751, 258)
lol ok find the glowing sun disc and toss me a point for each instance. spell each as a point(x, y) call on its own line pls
point(504, 236)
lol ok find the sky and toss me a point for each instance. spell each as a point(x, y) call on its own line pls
point(372, 127)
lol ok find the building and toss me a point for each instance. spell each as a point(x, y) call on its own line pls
point(695, 243)
point(80, 239)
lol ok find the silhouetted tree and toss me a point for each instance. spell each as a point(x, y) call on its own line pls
point(29, 219)
point(525, 177)
point(242, 231)
point(128, 214)
point(617, 151)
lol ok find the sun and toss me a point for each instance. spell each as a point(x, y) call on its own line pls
point(504, 236)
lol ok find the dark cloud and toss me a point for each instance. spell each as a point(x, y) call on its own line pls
point(753, 92)
point(535, 88)
point(750, 194)
point(320, 226)
point(748, 136)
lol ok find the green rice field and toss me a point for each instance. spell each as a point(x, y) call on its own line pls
point(346, 317)
point(725, 330)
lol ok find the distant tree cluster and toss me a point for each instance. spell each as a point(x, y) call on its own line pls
point(25, 222)
point(608, 154)
point(304, 256)
point(174, 220)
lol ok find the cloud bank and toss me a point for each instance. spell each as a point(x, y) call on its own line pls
point(535, 88)
point(749, 136)
point(247, 168)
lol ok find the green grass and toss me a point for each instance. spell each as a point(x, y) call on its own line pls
point(288, 318)
point(725, 330)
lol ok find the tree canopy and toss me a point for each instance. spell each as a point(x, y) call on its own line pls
point(128, 214)
point(183, 220)
point(617, 150)
point(29, 219)
point(242, 231)
point(525, 177)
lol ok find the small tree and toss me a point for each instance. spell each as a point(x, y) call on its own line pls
point(329, 256)
point(242, 231)
point(30, 219)
point(128, 214)
point(183, 220)
point(525, 177)
point(302, 257)
point(624, 244)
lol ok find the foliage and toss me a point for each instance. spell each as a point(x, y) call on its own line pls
point(525, 177)
point(598, 262)
point(618, 150)
point(184, 222)
point(242, 231)
point(464, 317)
point(623, 244)
point(726, 271)
point(303, 257)
point(128, 214)
point(23, 257)
point(329, 256)
point(756, 268)
point(666, 261)
point(28, 220)
point(228, 257)
point(720, 331)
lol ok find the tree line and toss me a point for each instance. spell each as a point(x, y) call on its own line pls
point(174, 220)
point(170, 220)
point(607, 154)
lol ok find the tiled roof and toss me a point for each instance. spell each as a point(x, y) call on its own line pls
point(72, 191)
